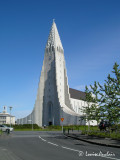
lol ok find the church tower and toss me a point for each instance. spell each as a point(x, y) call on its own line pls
point(53, 97)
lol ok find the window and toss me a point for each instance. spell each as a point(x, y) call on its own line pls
point(52, 48)
point(49, 58)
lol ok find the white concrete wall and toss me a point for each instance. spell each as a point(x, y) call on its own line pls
point(77, 105)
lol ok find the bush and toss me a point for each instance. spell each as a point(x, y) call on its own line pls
point(103, 134)
point(25, 126)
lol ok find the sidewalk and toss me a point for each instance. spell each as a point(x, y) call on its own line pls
point(94, 140)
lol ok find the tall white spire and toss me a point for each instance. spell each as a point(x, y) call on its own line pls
point(53, 98)
point(54, 38)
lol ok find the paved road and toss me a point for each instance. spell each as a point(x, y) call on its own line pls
point(51, 146)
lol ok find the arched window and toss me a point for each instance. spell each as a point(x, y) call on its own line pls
point(52, 48)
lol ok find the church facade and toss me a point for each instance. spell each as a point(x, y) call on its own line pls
point(55, 100)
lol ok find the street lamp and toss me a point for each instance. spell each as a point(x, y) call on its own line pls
point(10, 114)
point(31, 123)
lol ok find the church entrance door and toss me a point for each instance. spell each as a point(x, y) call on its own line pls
point(50, 113)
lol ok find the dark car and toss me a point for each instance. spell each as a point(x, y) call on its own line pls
point(104, 125)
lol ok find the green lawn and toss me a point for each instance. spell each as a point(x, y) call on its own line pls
point(51, 128)
point(0, 132)
point(45, 129)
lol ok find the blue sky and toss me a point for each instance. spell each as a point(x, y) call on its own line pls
point(90, 34)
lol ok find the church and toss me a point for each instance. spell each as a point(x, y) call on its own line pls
point(55, 100)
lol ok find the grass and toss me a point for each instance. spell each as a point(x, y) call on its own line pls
point(50, 128)
point(82, 128)
point(27, 127)
point(47, 128)
point(41, 129)
point(0, 132)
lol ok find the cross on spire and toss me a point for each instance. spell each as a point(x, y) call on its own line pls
point(53, 20)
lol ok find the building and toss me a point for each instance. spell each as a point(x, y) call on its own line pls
point(5, 117)
point(55, 100)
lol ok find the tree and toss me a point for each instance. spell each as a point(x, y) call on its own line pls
point(92, 109)
point(87, 109)
point(95, 106)
point(103, 102)
point(110, 96)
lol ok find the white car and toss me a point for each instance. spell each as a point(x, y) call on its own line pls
point(6, 128)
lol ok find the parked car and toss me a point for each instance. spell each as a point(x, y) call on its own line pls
point(104, 125)
point(5, 128)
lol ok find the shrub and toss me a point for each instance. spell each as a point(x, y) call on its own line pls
point(25, 126)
